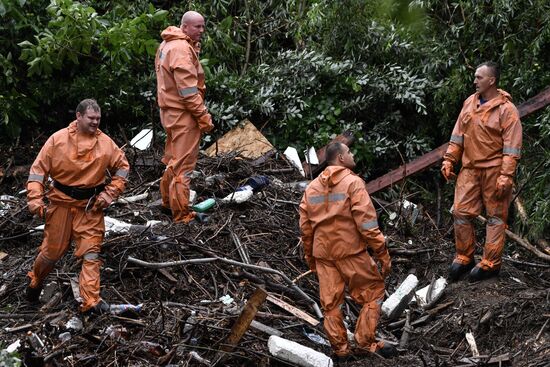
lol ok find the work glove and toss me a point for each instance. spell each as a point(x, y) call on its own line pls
point(37, 207)
point(447, 170)
point(102, 201)
point(311, 263)
point(205, 123)
point(504, 186)
point(385, 263)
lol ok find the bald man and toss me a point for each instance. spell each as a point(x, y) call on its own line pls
point(183, 114)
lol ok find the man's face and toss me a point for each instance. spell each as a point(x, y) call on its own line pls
point(346, 158)
point(483, 79)
point(88, 122)
point(194, 28)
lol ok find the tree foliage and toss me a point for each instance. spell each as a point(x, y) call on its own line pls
point(395, 72)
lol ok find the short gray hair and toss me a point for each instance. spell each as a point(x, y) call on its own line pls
point(87, 103)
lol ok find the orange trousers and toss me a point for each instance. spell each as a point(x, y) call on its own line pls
point(180, 156)
point(476, 188)
point(366, 287)
point(87, 229)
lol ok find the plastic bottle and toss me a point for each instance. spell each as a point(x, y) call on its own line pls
point(204, 205)
point(125, 307)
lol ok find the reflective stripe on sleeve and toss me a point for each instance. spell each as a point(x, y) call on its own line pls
point(188, 91)
point(370, 225)
point(36, 177)
point(122, 173)
point(457, 139)
point(511, 150)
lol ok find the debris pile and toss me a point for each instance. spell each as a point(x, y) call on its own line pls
point(234, 290)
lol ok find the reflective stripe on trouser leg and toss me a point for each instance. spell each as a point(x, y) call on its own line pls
point(468, 203)
point(331, 295)
point(165, 183)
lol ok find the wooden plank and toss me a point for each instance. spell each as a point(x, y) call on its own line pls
point(293, 310)
point(528, 107)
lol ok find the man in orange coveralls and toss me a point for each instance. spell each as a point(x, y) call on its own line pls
point(76, 159)
point(487, 138)
point(338, 222)
point(180, 95)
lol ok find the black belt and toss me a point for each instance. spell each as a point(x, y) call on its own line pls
point(78, 193)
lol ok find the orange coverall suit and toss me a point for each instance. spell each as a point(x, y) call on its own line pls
point(180, 94)
point(487, 137)
point(78, 160)
point(336, 219)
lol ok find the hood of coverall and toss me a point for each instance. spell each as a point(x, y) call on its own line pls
point(175, 33)
point(332, 175)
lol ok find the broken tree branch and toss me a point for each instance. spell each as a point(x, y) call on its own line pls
point(150, 265)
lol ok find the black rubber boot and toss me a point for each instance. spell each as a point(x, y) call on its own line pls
point(478, 274)
point(457, 270)
point(33, 295)
point(101, 308)
point(166, 211)
point(387, 351)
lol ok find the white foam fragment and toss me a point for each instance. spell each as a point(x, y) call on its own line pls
point(297, 354)
point(292, 155)
point(398, 301)
point(143, 139)
point(437, 291)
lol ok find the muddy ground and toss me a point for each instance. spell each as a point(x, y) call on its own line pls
point(508, 316)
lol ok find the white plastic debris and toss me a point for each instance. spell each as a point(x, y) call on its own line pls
point(297, 354)
point(74, 323)
point(132, 199)
point(7, 202)
point(143, 139)
point(472, 343)
point(115, 226)
point(312, 156)
point(410, 210)
point(292, 155)
point(398, 301)
point(13, 346)
point(226, 300)
point(437, 291)
point(65, 337)
point(238, 196)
